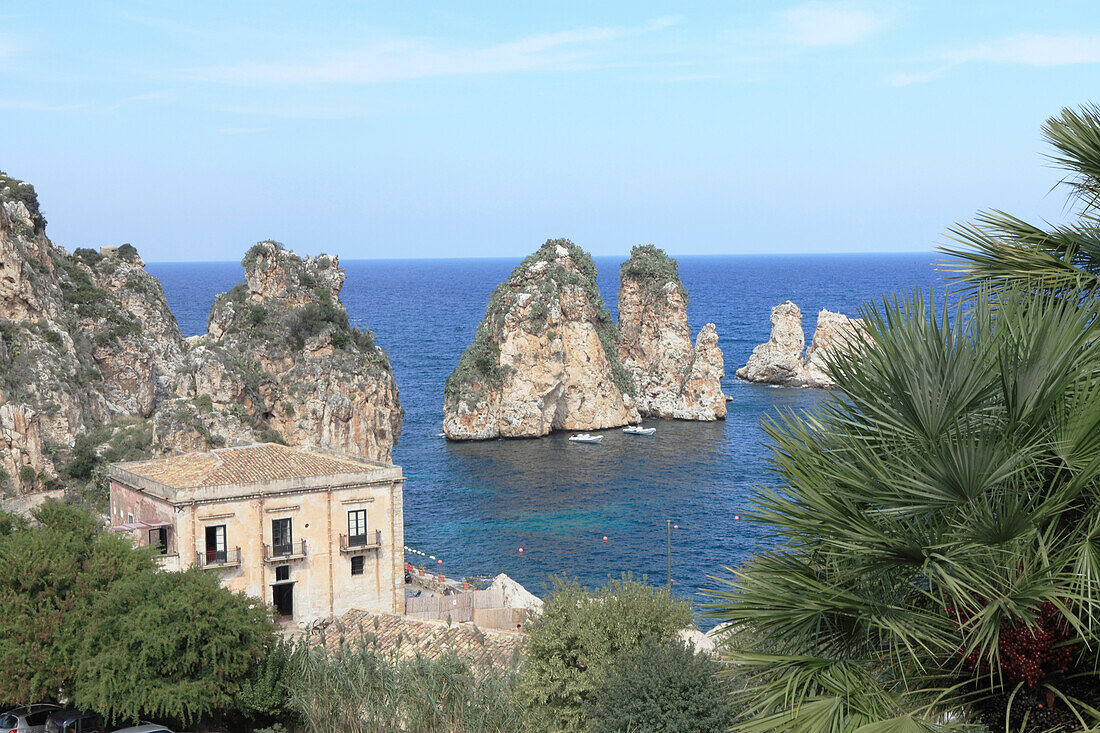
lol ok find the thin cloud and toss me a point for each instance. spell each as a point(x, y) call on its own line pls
point(1025, 49)
point(1028, 49)
point(399, 59)
point(821, 23)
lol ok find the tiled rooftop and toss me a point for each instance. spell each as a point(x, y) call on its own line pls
point(242, 465)
point(406, 637)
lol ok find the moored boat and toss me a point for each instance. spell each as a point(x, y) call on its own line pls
point(585, 438)
point(638, 430)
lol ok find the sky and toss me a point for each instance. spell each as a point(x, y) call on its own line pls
point(417, 129)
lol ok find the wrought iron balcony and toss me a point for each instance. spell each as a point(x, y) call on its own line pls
point(287, 551)
point(219, 558)
point(361, 542)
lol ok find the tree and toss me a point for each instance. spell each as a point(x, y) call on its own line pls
point(663, 687)
point(169, 645)
point(579, 632)
point(938, 518)
point(49, 577)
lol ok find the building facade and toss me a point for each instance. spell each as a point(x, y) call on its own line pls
point(313, 534)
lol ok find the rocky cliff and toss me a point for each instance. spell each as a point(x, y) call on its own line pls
point(281, 362)
point(84, 339)
point(672, 378)
point(780, 360)
point(93, 366)
point(544, 358)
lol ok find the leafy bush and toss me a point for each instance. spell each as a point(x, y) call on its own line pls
point(661, 687)
point(569, 646)
point(89, 257)
point(27, 475)
point(127, 252)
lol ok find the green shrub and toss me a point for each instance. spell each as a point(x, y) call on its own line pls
point(52, 337)
point(579, 632)
point(270, 435)
point(127, 252)
point(89, 257)
point(84, 458)
point(15, 190)
point(27, 475)
point(664, 687)
point(204, 402)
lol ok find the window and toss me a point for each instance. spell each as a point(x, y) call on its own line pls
point(281, 539)
point(282, 572)
point(215, 545)
point(129, 519)
point(158, 537)
point(357, 527)
point(357, 565)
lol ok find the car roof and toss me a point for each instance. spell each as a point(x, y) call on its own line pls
point(146, 728)
point(33, 708)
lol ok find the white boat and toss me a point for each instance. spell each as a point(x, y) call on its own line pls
point(585, 438)
point(638, 430)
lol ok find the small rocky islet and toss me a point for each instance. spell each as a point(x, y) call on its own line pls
point(548, 356)
point(780, 360)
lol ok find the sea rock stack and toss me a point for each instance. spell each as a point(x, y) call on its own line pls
point(544, 358)
point(281, 362)
point(780, 360)
point(672, 379)
point(85, 339)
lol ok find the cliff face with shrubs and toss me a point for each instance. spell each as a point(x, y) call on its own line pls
point(780, 360)
point(280, 362)
point(673, 379)
point(84, 339)
point(93, 366)
point(544, 358)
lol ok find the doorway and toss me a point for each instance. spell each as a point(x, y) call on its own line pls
point(282, 592)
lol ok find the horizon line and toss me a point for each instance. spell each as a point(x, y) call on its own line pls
point(845, 253)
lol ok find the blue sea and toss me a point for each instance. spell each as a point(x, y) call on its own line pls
point(474, 505)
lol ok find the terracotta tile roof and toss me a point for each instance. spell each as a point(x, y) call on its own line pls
point(242, 465)
point(406, 637)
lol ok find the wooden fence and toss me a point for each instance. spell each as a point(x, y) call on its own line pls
point(485, 608)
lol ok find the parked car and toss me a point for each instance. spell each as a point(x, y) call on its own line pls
point(27, 719)
point(144, 728)
point(74, 721)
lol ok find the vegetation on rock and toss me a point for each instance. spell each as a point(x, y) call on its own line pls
point(12, 189)
point(652, 268)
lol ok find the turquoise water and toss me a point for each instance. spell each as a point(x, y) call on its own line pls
point(474, 505)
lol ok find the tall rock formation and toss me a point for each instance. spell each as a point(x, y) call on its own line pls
point(544, 358)
point(281, 362)
point(89, 351)
point(86, 339)
point(672, 379)
point(780, 360)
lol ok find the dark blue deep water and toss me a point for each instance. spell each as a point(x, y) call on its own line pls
point(475, 504)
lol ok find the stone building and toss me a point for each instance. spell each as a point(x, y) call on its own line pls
point(313, 534)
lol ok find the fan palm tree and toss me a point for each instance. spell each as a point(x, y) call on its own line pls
point(937, 522)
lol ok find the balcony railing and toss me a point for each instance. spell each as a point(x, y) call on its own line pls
point(287, 551)
point(219, 558)
point(361, 542)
